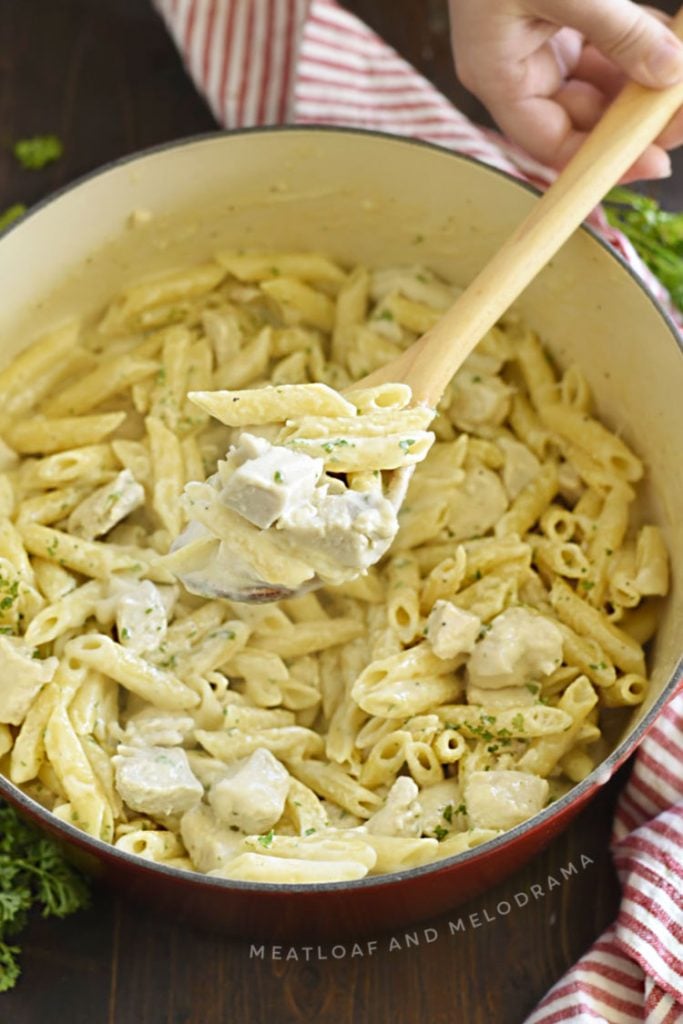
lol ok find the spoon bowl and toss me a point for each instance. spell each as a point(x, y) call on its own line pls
point(261, 592)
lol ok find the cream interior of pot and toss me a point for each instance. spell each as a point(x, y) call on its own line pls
point(362, 198)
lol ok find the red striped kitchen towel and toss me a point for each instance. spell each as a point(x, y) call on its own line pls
point(261, 62)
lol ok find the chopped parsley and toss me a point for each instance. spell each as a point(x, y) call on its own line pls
point(33, 872)
point(37, 152)
point(266, 840)
point(481, 731)
point(447, 813)
point(11, 214)
point(518, 723)
point(587, 584)
point(309, 831)
point(406, 443)
point(440, 833)
point(339, 442)
point(386, 314)
point(10, 590)
point(278, 477)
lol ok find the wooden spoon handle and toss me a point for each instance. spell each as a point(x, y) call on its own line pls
point(631, 123)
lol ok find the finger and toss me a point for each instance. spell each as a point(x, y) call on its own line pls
point(672, 135)
point(546, 131)
point(653, 164)
point(584, 104)
point(592, 66)
point(542, 127)
point(603, 74)
point(640, 44)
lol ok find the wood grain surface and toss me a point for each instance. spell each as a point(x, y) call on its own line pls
point(103, 75)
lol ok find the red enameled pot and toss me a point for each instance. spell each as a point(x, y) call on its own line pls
point(360, 197)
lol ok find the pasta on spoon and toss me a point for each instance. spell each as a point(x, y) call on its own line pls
point(308, 493)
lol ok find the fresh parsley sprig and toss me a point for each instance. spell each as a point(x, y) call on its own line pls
point(33, 872)
point(656, 235)
point(37, 152)
point(11, 214)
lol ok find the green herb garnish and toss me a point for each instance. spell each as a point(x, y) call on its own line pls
point(11, 214)
point(10, 591)
point(266, 840)
point(656, 235)
point(33, 872)
point(35, 153)
point(339, 442)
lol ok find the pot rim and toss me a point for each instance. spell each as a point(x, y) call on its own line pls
point(577, 795)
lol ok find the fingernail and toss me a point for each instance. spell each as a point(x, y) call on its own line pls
point(665, 62)
point(662, 168)
point(666, 169)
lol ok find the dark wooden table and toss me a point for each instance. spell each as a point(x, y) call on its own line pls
point(103, 75)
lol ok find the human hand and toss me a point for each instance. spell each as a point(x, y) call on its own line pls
point(547, 69)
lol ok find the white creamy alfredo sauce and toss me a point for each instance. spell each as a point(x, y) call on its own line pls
point(337, 530)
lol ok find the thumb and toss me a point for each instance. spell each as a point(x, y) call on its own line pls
point(636, 40)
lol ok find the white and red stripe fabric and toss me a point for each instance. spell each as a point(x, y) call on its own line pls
point(262, 62)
